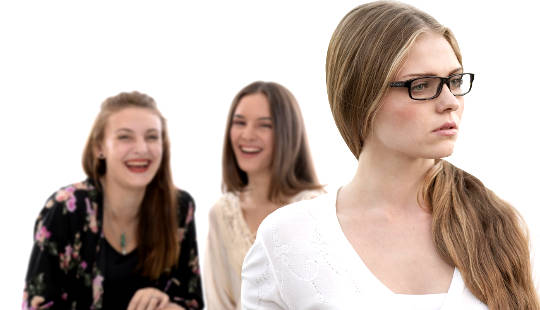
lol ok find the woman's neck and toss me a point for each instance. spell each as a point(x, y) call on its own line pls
point(121, 204)
point(257, 188)
point(388, 180)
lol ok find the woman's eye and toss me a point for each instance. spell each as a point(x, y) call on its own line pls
point(123, 137)
point(266, 125)
point(153, 137)
point(238, 123)
point(419, 86)
point(456, 82)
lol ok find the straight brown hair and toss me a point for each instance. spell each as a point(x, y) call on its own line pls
point(473, 229)
point(157, 245)
point(292, 166)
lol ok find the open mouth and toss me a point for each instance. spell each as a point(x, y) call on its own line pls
point(138, 165)
point(250, 150)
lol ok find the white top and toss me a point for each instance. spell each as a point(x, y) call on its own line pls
point(301, 259)
point(229, 239)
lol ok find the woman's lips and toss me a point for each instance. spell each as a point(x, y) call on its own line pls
point(250, 150)
point(138, 165)
point(447, 129)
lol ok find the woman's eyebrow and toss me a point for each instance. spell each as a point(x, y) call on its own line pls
point(415, 75)
point(124, 129)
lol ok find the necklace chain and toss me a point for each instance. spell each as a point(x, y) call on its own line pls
point(123, 243)
point(123, 239)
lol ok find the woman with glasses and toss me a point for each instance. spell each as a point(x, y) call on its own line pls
point(266, 164)
point(410, 230)
point(125, 237)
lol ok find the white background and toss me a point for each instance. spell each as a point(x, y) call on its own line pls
point(60, 59)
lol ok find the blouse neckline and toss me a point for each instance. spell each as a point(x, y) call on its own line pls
point(241, 220)
point(356, 262)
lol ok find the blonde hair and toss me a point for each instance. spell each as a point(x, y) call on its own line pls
point(158, 248)
point(473, 229)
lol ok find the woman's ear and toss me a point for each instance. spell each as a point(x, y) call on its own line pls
point(98, 152)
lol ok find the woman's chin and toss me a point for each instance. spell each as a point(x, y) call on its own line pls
point(444, 152)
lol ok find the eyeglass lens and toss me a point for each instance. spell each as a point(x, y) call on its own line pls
point(429, 86)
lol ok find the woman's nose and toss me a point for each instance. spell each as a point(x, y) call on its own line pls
point(447, 101)
point(141, 146)
point(248, 133)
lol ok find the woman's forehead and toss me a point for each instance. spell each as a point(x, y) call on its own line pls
point(430, 54)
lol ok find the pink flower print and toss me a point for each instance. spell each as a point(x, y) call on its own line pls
point(42, 234)
point(91, 210)
point(65, 258)
point(64, 296)
point(189, 216)
point(97, 288)
point(61, 195)
point(84, 265)
point(25, 300)
point(64, 194)
point(71, 204)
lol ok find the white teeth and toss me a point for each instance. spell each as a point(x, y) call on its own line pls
point(137, 163)
point(250, 149)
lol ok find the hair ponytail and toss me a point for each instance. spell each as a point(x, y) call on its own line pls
point(482, 235)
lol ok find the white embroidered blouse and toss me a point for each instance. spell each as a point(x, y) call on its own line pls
point(302, 260)
point(229, 239)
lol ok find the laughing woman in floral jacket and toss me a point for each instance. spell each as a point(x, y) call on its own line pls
point(125, 237)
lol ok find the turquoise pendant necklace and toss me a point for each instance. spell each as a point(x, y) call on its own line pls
point(123, 243)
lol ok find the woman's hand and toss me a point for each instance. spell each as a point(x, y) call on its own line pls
point(173, 306)
point(149, 299)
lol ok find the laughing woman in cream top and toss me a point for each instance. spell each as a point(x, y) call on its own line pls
point(266, 164)
point(410, 231)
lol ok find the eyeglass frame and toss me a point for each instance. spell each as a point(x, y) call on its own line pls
point(443, 80)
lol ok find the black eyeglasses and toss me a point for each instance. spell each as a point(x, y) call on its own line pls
point(429, 87)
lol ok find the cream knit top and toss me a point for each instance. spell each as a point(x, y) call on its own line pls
point(229, 239)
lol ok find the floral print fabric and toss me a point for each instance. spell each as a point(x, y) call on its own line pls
point(64, 272)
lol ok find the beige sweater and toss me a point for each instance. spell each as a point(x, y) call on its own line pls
point(229, 239)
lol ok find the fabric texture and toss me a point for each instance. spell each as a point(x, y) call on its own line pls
point(65, 269)
point(301, 259)
point(229, 239)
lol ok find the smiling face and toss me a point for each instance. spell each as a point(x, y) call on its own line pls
point(132, 147)
point(420, 129)
point(252, 134)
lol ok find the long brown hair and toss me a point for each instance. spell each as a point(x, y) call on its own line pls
point(292, 167)
point(158, 248)
point(473, 229)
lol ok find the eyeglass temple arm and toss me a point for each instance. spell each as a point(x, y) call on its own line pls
point(398, 84)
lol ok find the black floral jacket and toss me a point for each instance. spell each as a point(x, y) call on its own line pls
point(64, 272)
